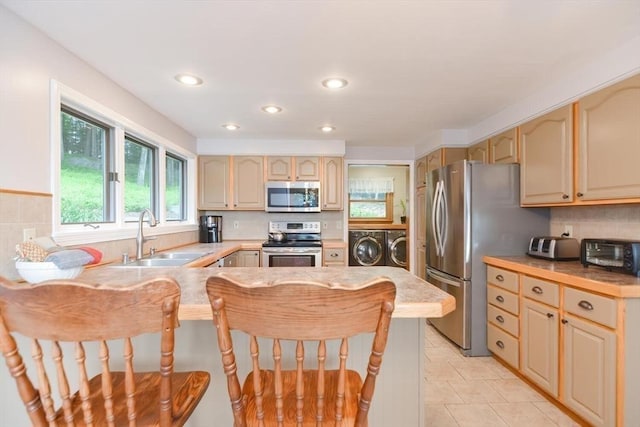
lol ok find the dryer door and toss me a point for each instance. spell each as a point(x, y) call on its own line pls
point(367, 251)
point(398, 251)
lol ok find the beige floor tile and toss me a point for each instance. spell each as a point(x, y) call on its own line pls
point(439, 416)
point(477, 368)
point(523, 414)
point(475, 415)
point(441, 392)
point(441, 371)
point(516, 390)
point(556, 415)
point(476, 391)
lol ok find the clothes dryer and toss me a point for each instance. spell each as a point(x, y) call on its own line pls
point(396, 242)
point(367, 248)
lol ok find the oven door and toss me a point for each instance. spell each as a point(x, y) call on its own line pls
point(291, 257)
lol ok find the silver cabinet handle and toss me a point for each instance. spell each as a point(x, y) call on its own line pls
point(537, 290)
point(499, 318)
point(500, 298)
point(586, 305)
point(333, 255)
point(500, 278)
point(500, 344)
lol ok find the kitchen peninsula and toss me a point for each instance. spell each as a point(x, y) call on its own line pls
point(399, 396)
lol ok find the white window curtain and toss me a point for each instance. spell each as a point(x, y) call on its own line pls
point(371, 185)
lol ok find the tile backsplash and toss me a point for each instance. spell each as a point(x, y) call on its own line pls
point(607, 221)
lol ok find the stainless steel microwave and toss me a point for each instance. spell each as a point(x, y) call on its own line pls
point(298, 196)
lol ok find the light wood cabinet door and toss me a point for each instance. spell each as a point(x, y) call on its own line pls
point(247, 258)
point(539, 344)
point(421, 233)
point(503, 148)
point(434, 160)
point(332, 257)
point(279, 168)
point(609, 144)
point(332, 183)
point(421, 172)
point(479, 152)
point(248, 182)
point(590, 371)
point(307, 168)
point(213, 182)
point(546, 166)
point(453, 154)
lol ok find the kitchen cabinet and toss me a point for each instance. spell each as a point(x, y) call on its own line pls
point(421, 233)
point(214, 178)
point(479, 152)
point(333, 257)
point(332, 183)
point(609, 143)
point(444, 156)
point(503, 148)
point(539, 344)
point(421, 172)
point(248, 258)
point(546, 166)
point(503, 315)
point(248, 182)
point(282, 168)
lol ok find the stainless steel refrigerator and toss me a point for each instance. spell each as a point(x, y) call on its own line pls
point(473, 210)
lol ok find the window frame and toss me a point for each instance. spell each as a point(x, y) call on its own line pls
point(184, 201)
point(70, 234)
point(388, 219)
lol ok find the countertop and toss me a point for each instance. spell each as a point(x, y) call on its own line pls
point(572, 273)
point(415, 298)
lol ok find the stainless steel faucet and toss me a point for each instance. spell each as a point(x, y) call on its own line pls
point(140, 239)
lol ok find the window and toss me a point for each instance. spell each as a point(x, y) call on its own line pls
point(371, 200)
point(107, 169)
point(85, 162)
point(175, 188)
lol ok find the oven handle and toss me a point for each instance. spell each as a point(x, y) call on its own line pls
point(292, 250)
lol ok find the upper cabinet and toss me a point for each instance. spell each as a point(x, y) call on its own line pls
point(503, 148)
point(214, 179)
point(248, 182)
point(284, 168)
point(546, 147)
point(479, 152)
point(332, 183)
point(421, 172)
point(609, 143)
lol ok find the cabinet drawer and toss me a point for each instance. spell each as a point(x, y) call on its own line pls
point(503, 278)
point(541, 290)
point(334, 255)
point(503, 299)
point(589, 306)
point(503, 345)
point(503, 320)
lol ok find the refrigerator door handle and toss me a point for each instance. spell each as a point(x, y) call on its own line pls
point(445, 214)
point(442, 278)
point(435, 218)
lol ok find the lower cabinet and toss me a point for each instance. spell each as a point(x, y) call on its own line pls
point(247, 258)
point(540, 344)
point(333, 257)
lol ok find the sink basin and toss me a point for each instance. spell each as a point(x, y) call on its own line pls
point(178, 255)
point(155, 262)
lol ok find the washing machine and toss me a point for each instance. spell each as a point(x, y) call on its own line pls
point(396, 246)
point(367, 248)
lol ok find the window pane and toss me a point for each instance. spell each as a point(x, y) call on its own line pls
point(175, 193)
point(139, 179)
point(84, 194)
point(367, 209)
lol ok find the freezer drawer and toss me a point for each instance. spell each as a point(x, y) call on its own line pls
point(456, 325)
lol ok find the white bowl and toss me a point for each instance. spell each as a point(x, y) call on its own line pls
point(36, 272)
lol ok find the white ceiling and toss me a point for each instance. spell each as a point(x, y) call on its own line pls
point(414, 67)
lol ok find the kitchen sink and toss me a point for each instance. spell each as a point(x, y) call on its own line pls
point(171, 259)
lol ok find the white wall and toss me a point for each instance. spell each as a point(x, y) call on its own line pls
point(28, 61)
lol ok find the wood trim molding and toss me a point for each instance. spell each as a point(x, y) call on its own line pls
point(24, 193)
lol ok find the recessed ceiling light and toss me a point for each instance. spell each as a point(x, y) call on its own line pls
point(271, 109)
point(327, 128)
point(230, 126)
point(334, 83)
point(189, 79)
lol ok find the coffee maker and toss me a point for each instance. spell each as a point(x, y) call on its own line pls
point(210, 229)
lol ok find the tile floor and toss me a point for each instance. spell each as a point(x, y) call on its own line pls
point(479, 391)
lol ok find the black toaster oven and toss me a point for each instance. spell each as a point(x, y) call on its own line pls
point(613, 254)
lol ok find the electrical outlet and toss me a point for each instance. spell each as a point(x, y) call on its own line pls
point(236, 224)
point(28, 234)
point(568, 231)
point(325, 225)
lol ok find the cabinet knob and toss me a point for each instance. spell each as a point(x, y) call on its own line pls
point(500, 344)
point(333, 255)
point(500, 298)
point(564, 321)
point(550, 315)
point(537, 290)
point(500, 278)
point(565, 196)
point(579, 194)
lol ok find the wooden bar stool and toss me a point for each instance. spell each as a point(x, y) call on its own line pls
point(298, 312)
point(89, 316)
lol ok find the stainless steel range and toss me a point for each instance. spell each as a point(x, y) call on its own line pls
point(293, 244)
